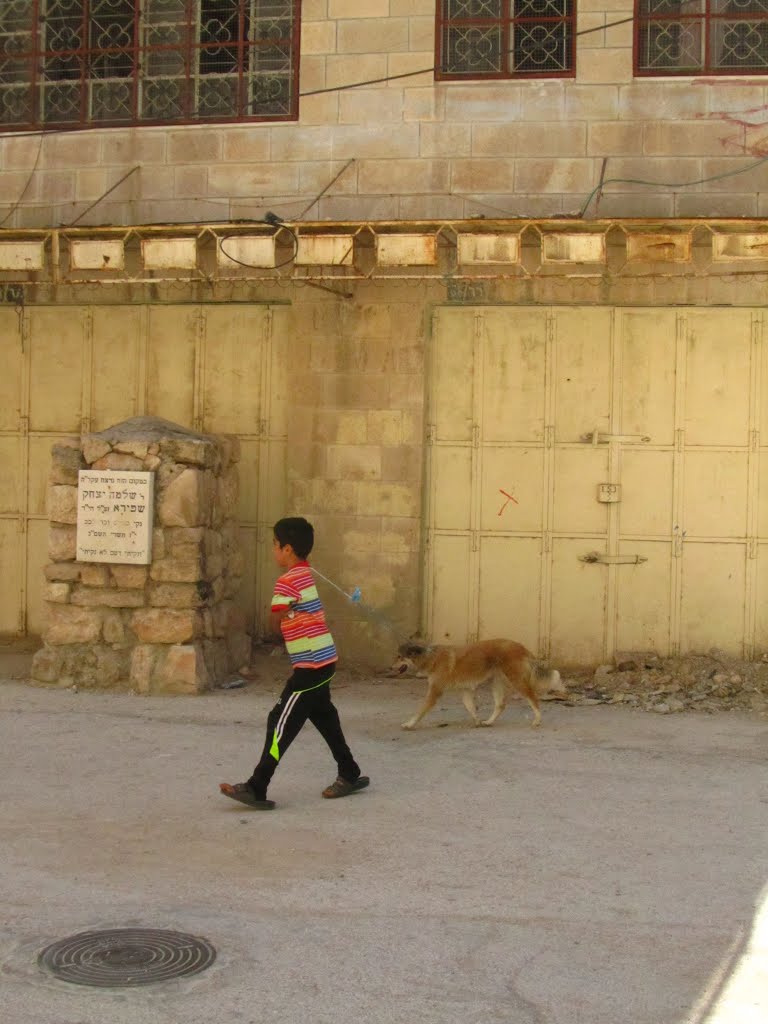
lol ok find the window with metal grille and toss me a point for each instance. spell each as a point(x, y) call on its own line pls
point(687, 37)
point(505, 39)
point(88, 63)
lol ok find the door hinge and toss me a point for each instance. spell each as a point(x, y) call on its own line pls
point(593, 557)
point(430, 433)
point(549, 436)
point(754, 440)
point(475, 540)
point(752, 547)
point(677, 546)
point(475, 435)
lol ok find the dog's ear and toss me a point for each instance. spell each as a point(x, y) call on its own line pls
point(412, 650)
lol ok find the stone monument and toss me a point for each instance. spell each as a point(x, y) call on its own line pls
point(145, 563)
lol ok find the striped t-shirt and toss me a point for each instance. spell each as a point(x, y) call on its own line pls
point(305, 631)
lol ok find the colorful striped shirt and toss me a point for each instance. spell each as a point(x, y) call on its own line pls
point(305, 631)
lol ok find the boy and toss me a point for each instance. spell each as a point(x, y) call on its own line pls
point(297, 612)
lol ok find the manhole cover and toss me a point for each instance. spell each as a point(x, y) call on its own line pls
point(126, 956)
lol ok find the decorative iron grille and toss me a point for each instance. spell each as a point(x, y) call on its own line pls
point(717, 37)
point(83, 63)
point(505, 39)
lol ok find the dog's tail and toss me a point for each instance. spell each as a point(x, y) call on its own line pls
point(547, 680)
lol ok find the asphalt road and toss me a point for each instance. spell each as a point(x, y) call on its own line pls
point(609, 868)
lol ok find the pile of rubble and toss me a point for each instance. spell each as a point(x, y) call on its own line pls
point(696, 682)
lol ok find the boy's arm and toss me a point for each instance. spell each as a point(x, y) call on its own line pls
point(276, 617)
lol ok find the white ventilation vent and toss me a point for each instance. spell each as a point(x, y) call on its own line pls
point(573, 247)
point(86, 254)
point(169, 253)
point(474, 249)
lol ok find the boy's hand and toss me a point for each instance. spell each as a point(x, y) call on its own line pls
point(276, 617)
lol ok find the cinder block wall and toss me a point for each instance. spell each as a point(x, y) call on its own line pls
point(419, 149)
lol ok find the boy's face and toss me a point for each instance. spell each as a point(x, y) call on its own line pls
point(284, 555)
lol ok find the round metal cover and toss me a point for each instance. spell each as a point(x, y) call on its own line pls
point(122, 957)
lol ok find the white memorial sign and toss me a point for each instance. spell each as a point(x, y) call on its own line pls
point(114, 516)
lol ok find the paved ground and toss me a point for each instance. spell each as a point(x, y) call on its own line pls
point(606, 869)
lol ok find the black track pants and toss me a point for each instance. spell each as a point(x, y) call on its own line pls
point(307, 695)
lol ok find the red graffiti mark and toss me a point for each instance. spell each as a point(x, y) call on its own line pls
point(509, 498)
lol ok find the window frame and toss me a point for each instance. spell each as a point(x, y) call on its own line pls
point(187, 76)
point(506, 22)
point(706, 18)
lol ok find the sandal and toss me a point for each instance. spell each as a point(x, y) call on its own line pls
point(343, 787)
point(243, 793)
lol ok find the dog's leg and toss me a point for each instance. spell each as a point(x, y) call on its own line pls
point(429, 702)
point(499, 691)
point(468, 696)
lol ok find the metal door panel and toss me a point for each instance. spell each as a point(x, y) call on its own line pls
point(37, 559)
point(275, 384)
point(453, 370)
point(510, 589)
point(171, 363)
point(643, 598)
point(11, 469)
point(57, 339)
point(582, 371)
point(712, 607)
point(646, 494)
point(253, 609)
point(10, 378)
point(718, 376)
point(578, 471)
point(452, 589)
point(10, 559)
point(512, 401)
point(452, 487)
point(115, 389)
point(761, 593)
point(715, 500)
point(647, 342)
point(762, 498)
point(512, 491)
point(578, 605)
point(234, 351)
point(248, 501)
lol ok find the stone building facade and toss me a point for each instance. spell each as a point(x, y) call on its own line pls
point(604, 188)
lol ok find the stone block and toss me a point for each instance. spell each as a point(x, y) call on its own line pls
point(190, 452)
point(47, 664)
point(186, 500)
point(62, 571)
point(137, 448)
point(182, 670)
point(65, 463)
point(56, 592)
point(184, 538)
point(178, 568)
point(179, 595)
point(166, 625)
point(62, 543)
point(62, 504)
point(94, 575)
point(142, 665)
point(118, 460)
point(216, 657)
point(113, 628)
point(129, 576)
point(68, 625)
point(94, 448)
point(90, 597)
point(354, 462)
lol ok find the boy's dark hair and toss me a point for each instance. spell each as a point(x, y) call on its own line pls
point(297, 532)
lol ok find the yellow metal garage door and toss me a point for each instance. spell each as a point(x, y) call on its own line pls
point(596, 480)
point(70, 369)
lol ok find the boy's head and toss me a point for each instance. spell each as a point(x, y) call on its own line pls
point(296, 533)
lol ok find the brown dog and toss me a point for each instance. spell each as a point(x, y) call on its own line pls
point(508, 666)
